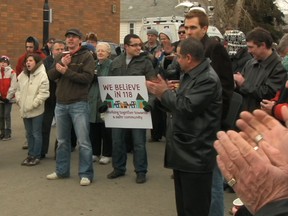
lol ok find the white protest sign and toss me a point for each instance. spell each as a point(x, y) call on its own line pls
point(125, 96)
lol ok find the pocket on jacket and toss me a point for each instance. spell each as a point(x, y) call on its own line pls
point(28, 104)
point(184, 138)
point(75, 67)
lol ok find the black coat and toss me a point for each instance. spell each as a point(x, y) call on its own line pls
point(193, 120)
point(49, 63)
point(277, 208)
point(262, 81)
point(240, 59)
point(220, 61)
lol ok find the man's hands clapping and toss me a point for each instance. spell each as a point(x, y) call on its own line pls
point(62, 68)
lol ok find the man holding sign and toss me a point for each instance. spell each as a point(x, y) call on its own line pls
point(131, 63)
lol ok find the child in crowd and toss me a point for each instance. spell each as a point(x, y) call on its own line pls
point(32, 91)
point(8, 85)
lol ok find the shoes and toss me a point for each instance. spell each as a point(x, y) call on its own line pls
point(115, 174)
point(140, 178)
point(52, 176)
point(6, 138)
point(42, 156)
point(33, 161)
point(85, 181)
point(95, 158)
point(2, 136)
point(30, 161)
point(25, 145)
point(104, 160)
point(26, 161)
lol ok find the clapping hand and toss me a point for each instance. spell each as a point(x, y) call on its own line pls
point(260, 173)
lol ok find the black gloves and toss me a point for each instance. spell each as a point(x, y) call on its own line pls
point(95, 78)
point(147, 107)
point(103, 107)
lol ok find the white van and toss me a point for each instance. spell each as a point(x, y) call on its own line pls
point(160, 23)
point(172, 23)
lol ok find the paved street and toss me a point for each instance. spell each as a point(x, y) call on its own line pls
point(25, 191)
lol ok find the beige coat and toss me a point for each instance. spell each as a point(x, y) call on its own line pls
point(32, 91)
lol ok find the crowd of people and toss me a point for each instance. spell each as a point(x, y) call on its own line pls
point(190, 84)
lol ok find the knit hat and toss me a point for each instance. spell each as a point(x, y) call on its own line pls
point(152, 31)
point(4, 58)
point(235, 40)
point(168, 33)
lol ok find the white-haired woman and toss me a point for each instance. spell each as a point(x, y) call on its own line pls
point(99, 135)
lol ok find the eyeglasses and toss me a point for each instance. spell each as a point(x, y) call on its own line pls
point(135, 45)
point(181, 32)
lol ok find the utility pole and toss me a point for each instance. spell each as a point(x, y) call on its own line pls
point(210, 12)
point(46, 20)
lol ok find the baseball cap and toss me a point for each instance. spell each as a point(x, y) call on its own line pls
point(74, 31)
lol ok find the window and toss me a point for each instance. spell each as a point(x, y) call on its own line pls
point(131, 28)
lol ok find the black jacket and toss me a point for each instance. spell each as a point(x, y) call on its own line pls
point(220, 61)
point(49, 63)
point(138, 66)
point(262, 81)
point(240, 59)
point(193, 120)
point(278, 208)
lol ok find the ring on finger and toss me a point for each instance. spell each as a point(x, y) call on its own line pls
point(256, 148)
point(232, 182)
point(258, 138)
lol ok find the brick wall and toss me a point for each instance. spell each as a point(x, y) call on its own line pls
point(20, 19)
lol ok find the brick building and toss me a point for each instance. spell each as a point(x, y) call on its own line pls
point(20, 19)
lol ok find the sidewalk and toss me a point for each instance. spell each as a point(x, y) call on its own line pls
point(24, 191)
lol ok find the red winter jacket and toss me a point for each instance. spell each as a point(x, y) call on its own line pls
point(276, 110)
point(8, 83)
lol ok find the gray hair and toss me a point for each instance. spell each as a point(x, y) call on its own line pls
point(106, 45)
point(283, 44)
point(193, 47)
point(58, 42)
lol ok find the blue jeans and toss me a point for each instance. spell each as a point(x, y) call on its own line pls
point(33, 127)
point(78, 115)
point(217, 196)
point(119, 155)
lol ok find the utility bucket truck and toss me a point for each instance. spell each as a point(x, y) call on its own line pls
point(172, 23)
